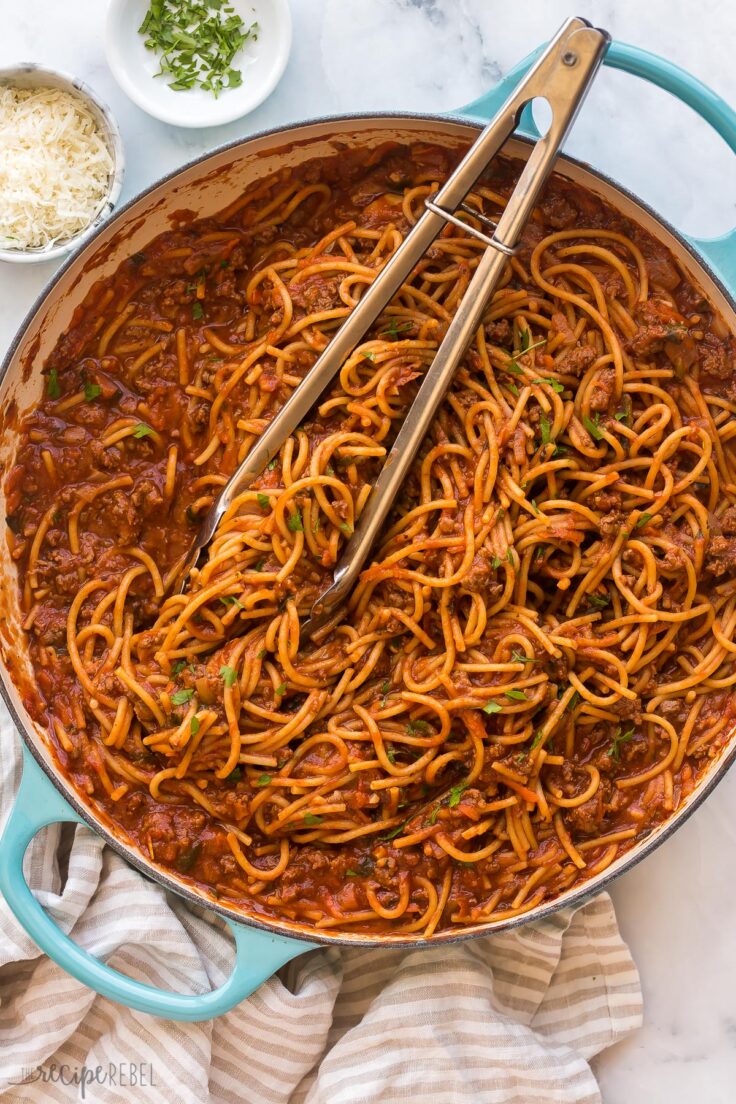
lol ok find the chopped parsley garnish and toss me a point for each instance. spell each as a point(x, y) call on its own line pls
point(600, 601)
point(643, 520)
point(620, 415)
point(417, 726)
point(509, 555)
point(263, 780)
point(53, 388)
point(194, 726)
point(574, 701)
point(395, 328)
point(181, 697)
point(142, 430)
point(491, 707)
point(525, 346)
point(391, 755)
point(346, 529)
point(496, 562)
point(262, 654)
point(369, 356)
point(178, 667)
point(259, 566)
point(263, 500)
point(517, 657)
point(196, 42)
point(556, 386)
point(617, 740)
point(197, 311)
point(310, 818)
point(537, 739)
point(456, 793)
point(234, 775)
point(434, 814)
point(231, 600)
point(92, 391)
point(273, 464)
point(544, 428)
point(295, 522)
point(280, 690)
point(516, 695)
point(394, 832)
point(592, 426)
point(228, 675)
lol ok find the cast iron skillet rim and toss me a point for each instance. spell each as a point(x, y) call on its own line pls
point(275, 926)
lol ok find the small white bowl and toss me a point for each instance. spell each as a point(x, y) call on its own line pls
point(262, 62)
point(29, 75)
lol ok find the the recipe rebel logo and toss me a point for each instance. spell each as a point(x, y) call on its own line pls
point(123, 1075)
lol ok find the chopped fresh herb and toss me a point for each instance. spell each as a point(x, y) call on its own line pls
point(456, 793)
point(197, 311)
point(369, 356)
point(365, 867)
point(234, 775)
point(617, 740)
point(194, 726)
point(295, 522)
point(394, 832)
point(196, 42)
point(491, 707)
point(434, 814)
point(187, 859)
point(516, 695)
point(600, 601)
point(395, 328)
point(142, 430)
point(262, 654)
point(620, 415)
point(509, 555)
point(544, 427)
point(263, 500)
point(512, 366)
point(259, 566)
point(224, 264)
point(517, 657)
point(496, 562)
point(535, 508)
point(391, 755)
point(537, 739)
point(310, 818)
point(643, 520)
point(556, 386)
point(560, 450)
point(231, 600)
point(53, 388)
point(525, 346)
point(273, 464)
point(346, 529)
point(178, 667)
point(280, 690)
point(92, 391)
point(417, 726)
point(574, 701)
point(385, 688)
point(514, 389)
point(263, 780)
point(592, 426)
point(228, 675)
point(180, 697)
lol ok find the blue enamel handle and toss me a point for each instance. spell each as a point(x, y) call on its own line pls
point(720, 253)
point(258, 953)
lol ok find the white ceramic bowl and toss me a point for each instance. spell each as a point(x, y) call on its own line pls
point(261, 62)
point(29, 75)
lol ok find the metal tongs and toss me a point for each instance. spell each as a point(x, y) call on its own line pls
point(562, 75)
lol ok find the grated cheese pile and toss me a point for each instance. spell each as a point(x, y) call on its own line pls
point(54, 166)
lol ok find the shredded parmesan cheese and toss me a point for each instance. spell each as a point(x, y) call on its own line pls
point(54, 167)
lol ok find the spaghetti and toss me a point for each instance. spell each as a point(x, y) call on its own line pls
point(536, 667)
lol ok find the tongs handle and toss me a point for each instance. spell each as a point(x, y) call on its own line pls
point(563, 75)
point(563, 83)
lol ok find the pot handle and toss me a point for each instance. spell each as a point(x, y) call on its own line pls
point(719, 253)
point(258, 953)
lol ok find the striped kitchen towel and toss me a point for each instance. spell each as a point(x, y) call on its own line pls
point(512, 1018)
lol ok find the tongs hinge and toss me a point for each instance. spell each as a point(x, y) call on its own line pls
point(493, 242)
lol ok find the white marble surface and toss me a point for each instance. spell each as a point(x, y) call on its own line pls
point(678, 909)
